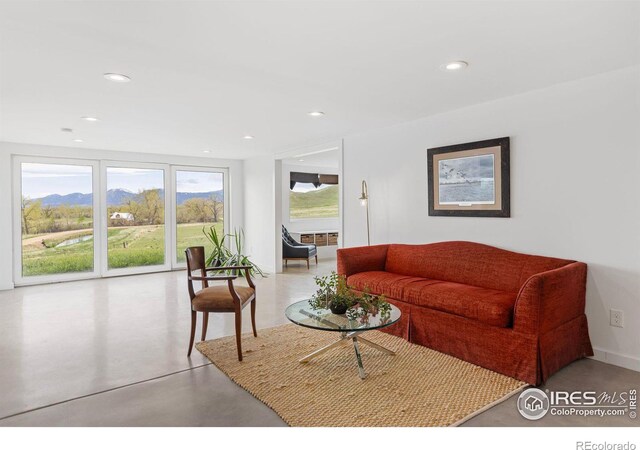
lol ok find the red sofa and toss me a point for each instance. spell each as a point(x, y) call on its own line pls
point(516, 314)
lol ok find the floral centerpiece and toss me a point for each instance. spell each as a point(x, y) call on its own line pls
point(334, 294)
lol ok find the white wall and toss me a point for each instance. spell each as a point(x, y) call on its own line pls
point(575, 189)
point(259, 215)
point(7, 149)
point(296, 226)
point(6, 223)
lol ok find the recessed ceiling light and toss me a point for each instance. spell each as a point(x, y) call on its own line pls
point(117, 77)
point(66, 130)
point(316, 113)
point(456, 65)
point(89, 118)
point(248, 136)
point(78, 140)
point(301, 160)
point(206, 151)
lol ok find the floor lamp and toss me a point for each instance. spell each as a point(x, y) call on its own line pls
point(364, 201)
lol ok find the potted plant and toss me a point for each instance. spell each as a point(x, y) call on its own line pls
point(334, 294)
point(221, 255)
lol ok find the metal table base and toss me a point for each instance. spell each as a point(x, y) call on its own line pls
point(354, 336)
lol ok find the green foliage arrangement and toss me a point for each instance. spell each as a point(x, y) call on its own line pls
point(368, 306)
point(334, 294)
point(222, 255)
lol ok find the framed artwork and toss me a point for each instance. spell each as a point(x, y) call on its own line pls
point(470, 180)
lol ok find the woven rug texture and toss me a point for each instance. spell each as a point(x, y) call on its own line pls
point(417, 387)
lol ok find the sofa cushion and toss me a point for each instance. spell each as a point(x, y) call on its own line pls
point(381, 283)
point(489, 306)
point(468, 263)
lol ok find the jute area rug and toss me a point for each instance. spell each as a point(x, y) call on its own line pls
point(417, 387)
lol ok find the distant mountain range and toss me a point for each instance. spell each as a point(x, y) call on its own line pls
point(117, 197)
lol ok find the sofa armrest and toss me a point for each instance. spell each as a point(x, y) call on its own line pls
point(361, 259)
point(549, 299)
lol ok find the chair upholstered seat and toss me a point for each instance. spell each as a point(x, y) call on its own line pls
point(219, 297)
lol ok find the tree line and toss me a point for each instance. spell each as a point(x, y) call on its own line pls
point(147, 208)
point(37, 218)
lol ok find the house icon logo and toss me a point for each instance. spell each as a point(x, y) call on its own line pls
point(533, 404)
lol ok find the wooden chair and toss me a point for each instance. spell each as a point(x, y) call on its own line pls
point(221, 298)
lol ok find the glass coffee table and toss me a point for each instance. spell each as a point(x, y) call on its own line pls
point(301, 313)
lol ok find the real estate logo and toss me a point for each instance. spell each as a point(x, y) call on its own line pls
point(533, 404)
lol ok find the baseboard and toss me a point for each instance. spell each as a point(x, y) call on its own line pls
point(617, 359)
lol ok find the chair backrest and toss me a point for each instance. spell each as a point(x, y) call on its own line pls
point(286, 237)
point(195, 261)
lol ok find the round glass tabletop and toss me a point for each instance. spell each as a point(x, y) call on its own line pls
point(301, 313)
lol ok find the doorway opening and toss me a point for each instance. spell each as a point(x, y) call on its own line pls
point(310, 206)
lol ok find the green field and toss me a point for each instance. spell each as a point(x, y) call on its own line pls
point(190, 235)
point(127, 247)
point(320, 203)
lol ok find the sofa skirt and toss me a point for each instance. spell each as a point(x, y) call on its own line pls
point(521, 356)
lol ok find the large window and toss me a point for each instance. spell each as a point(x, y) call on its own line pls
point(135, 217)
point(56, 215)
point(56, 202)
point(313, 196)
point(199, 206)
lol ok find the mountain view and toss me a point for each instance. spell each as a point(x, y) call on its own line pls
point(116, 197)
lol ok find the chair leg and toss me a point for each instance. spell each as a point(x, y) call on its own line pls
point(239, 333)
point(205, 324)
point(253, 317)
point(193, 332)
point(307, 263)
point(316, 260)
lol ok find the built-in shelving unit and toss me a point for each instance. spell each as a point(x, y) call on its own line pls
point(320, 238)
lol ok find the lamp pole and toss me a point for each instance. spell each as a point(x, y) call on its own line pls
point(364, 200)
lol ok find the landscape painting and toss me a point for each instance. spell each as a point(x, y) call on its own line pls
point(470, 180)
point(467, 180)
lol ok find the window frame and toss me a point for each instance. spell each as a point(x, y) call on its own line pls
point(106, 271)
point(174, 210)
point(100, 222)
point(19, 278)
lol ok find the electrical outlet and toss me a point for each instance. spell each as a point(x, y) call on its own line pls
point(616, 318)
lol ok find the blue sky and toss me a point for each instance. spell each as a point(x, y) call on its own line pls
point(40, 180)
point(199, 181)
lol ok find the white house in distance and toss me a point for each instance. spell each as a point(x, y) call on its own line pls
point(122, 216)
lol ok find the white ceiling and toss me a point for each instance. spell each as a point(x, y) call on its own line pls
point(207, 73)
point(328, 158)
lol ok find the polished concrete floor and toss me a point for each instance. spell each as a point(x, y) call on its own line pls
point(112, 352)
